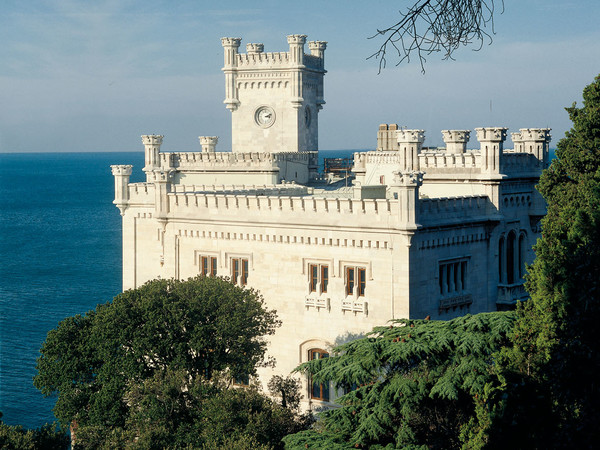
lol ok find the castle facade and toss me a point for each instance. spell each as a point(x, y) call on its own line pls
point(414, 232)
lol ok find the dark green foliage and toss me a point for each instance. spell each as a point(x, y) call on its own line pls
point(248, 413)
point(556, 351)
point(142, 365)
point(412, 383)
point(288, 389)
point(48, 437)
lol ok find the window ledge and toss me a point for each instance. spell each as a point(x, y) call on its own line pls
point(317, 302)
point(510, 294)
point(456, 301)
point(357, 306)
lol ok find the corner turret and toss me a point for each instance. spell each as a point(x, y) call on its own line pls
point(456, 140)
point(121, 174)
point(491, 140)
point(208, 143)
point(152, 143)
point(410, 143)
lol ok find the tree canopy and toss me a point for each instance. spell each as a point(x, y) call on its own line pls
point(151, 354)
point(412, 383)
point(48, 437)
point(556, 348)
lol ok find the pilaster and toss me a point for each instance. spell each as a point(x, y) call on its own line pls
point(317, 49)
point(296, 42)
point(162, 189)
point(405, 189)
point(230, 47)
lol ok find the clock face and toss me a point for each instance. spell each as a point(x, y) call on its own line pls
point(307, 116)
point(264, 116)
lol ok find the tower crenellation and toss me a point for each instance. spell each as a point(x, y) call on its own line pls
point(152, 143)
point(491, 140)
point(456, 140)
point(208, 143)
point(410, 143)
point(535, 141)
point(254, 48)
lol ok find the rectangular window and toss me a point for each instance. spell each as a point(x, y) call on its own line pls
point(319, 391)
point(356, 277)
point(314, 277)
point(239, 271)
point(324, 278)
point(318, 277)
point(362, 281)
point(208, 266)
point(349, 280)
point(453, 277)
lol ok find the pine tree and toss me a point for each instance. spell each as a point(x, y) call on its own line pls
point(556, 351)
point(412, 383)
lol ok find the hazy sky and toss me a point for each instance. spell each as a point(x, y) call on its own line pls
point(94, 76)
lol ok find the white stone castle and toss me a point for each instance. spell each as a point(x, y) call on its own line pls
point(414, 232)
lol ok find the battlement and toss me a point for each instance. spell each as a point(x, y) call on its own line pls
point(227, 160)
point(277, 190)
point(528, 158)
point(256, 58)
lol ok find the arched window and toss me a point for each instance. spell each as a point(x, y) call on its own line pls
point(501, 259)
point(510, 258)
point(521, 256)
point(318, 391)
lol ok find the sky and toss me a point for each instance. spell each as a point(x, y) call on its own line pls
point(80, 76)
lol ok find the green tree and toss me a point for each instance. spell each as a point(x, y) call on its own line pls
point(48, 437)
point(146, 356)
point(556, 351)
point(414, 383)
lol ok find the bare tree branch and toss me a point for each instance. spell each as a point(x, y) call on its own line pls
point(431, 26)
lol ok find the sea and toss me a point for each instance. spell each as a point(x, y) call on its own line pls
point(60, 255)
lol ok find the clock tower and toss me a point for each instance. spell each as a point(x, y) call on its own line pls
point(274, 98)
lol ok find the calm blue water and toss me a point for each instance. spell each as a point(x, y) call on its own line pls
point(60, 255)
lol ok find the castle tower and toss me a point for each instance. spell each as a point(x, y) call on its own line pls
point(536, 141)
point(491, 140)
point(274, 98)
point(208, 143)
point(152, 143)
point(121, 173)
point(456, 140)
point(410, 143)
